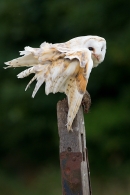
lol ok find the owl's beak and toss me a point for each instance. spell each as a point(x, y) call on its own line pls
point(96, 56)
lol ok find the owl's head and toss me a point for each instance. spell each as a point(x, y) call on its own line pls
point(97, 47)
point(95, 44)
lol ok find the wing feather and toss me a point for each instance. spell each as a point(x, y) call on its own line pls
point(27, 60)
point(71, 52)
point(30, 82)
point(40, 81)
point(70, 69)
point(63, 67)
point(48, 86)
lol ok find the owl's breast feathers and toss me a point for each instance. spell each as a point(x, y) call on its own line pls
point(62, 69)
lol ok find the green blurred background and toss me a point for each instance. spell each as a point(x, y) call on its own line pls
point(29, 142)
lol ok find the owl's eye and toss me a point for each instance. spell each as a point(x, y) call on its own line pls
point(101, 48)
point(91, 48)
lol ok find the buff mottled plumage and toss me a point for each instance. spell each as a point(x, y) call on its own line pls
point(64, 67)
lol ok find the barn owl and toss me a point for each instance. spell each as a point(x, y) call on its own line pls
point(64, 67)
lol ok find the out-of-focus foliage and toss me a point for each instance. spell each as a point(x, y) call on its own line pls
point(28, 127)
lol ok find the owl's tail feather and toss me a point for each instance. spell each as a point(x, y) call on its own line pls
point(73, 109)
point(75, 89)
point(74, 101)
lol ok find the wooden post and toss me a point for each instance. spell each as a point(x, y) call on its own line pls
point(73, 153)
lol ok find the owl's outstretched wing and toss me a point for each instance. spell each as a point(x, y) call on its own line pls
point(63, 71)
point(35, 56)
point(49, 52)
